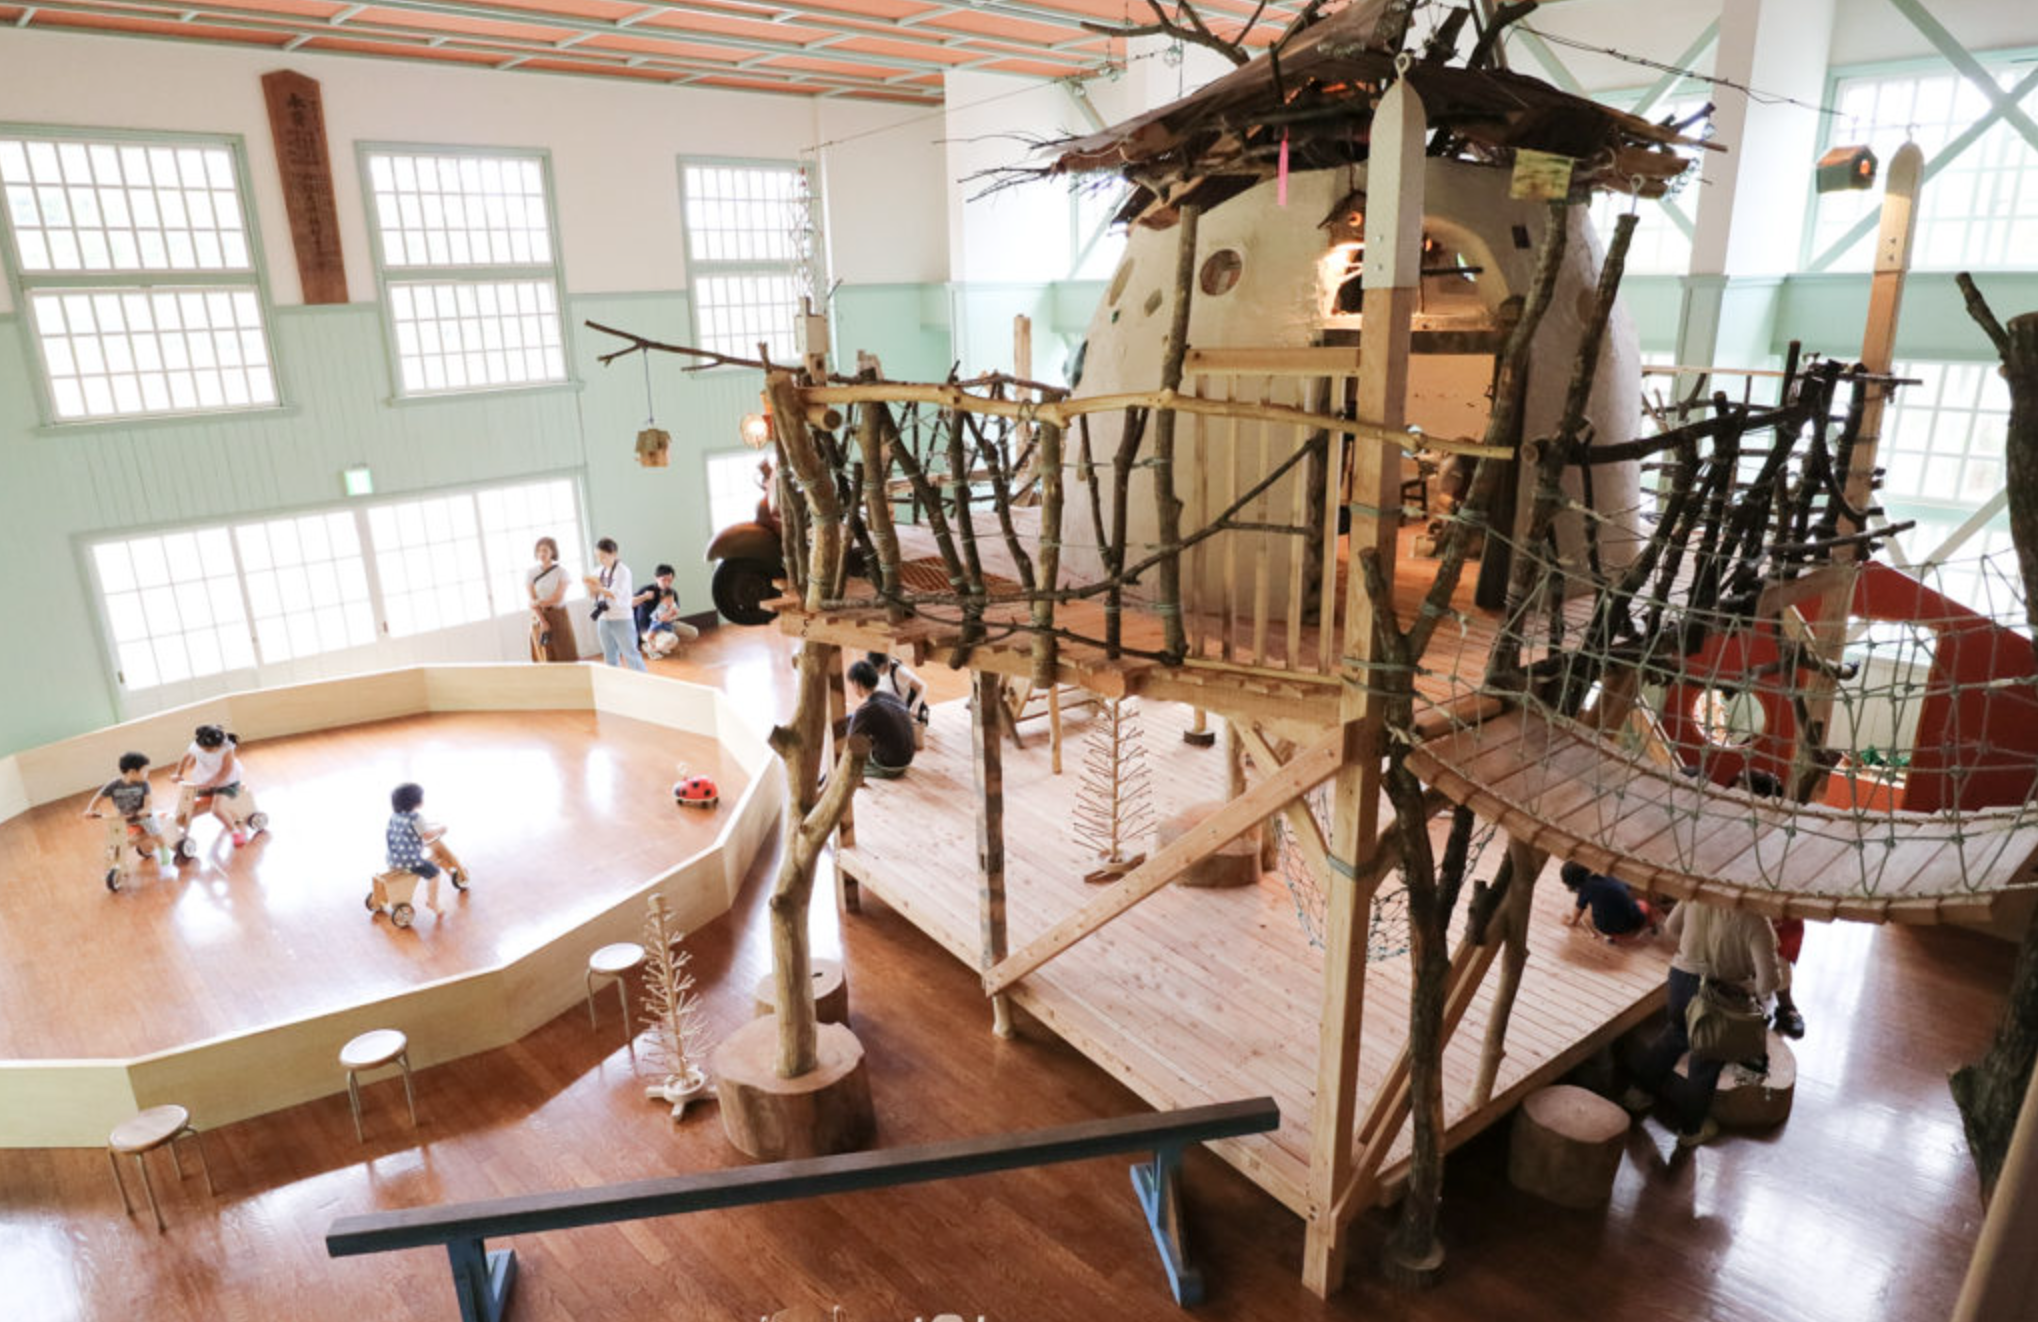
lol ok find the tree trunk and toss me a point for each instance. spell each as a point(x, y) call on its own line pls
point(1990, 1092)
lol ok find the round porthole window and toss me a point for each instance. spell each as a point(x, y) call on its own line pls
point(1221, 270)
point(1118, 283)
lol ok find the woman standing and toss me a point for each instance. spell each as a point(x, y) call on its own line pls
point(551, 628)
point(612, 591)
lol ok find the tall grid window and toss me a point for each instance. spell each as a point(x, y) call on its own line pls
point(173, 606)
point(733, 492)
point(1942, 439)
point(1980, 210)
point(137, 272)
point(753, 250)
point(470, 268)
point(428, 560)
point(513, 518)
point(307, 584)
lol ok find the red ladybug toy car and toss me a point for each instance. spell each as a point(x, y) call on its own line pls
point(691, 791)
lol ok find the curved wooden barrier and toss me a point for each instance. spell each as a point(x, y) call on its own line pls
point(73, 1103)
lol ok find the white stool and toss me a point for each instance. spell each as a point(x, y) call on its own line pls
point(373, 1050)
point(153, 1128)
point(615, 961)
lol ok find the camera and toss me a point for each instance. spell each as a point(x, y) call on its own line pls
point(601, 608)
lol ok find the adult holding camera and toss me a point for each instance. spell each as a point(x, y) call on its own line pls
point(612, 590)
point(551, 628)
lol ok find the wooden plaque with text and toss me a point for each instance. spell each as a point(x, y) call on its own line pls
point(297, 123)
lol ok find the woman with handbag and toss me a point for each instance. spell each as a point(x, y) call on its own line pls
point(551, 628)
point(1723, 974)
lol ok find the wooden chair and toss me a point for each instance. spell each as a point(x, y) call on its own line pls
point(373, 1050)
point(615, 962)
point(154, 1128)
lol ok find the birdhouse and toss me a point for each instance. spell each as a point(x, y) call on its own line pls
point(654, 448)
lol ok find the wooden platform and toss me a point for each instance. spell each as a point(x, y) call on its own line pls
point(1558, 786)
point(238, 974)
point(1195, 996)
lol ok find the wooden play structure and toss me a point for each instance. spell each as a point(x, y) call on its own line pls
point(1678, 646)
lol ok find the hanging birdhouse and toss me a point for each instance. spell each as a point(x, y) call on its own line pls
point(1845, 168)
point(654, 448)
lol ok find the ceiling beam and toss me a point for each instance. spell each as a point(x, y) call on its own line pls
point(516, 51)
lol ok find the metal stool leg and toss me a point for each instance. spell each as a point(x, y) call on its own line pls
point(150, 1187)
point(623, 995)
point(409, 1098)
point(354, 1100)
point(113, 1160)
point(204, 1162)
point(588, 978)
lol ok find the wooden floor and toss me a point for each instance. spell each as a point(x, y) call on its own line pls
point(557, 814)
point(1863, 1206)
point(1199, 996)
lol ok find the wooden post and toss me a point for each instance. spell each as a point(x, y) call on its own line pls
point(1046, 671)
point(988, 759)
point(1878, 346)
point(1394, 190)
point(1512, 933)
point(1054, 727)
point(877, 503)
point(2002, 1277)
point(1168, 528)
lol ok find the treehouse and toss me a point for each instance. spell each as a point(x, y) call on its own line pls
point(1335, 271)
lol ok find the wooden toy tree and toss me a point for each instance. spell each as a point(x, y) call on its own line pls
point(1115, 804)
point(677, 1045)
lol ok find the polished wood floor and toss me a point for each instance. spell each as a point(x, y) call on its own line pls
point(1862, 1207)
point(557, 814)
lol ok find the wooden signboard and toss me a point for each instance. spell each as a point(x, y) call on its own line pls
point(297, 124)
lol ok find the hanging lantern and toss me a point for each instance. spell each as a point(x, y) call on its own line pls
point(756, 430)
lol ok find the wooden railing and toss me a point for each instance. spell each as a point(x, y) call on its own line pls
point(482, 1278)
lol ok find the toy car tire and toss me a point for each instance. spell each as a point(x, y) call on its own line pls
point(258, 821)
point(369, 901)
point(458, 878)
point(186, 850)
point(401, 915)
point(113, 879)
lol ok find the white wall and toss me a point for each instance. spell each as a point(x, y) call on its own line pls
point(613, 147)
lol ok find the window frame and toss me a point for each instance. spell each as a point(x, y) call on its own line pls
point(1917, 66)
point(21, 284)
point(696, 268)
point(470, 274)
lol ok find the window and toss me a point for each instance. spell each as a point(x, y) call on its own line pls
point(512, 521)
point(733, 492)
point(197, 602)
point(1980, 209)
point(428, 559)
point(173, 606)
point(469, 266)
point(137, 271)
point(752, 250)
point(1942, 439)
point(307, 584)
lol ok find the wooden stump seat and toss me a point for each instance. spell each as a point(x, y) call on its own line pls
point(1236, 863)
point(823, 1112)
point(1566, 1146)
point(1747, 1100)
point(831, 992)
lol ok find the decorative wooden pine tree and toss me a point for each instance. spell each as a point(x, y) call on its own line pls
point(1114, 803)
point(677, 1045)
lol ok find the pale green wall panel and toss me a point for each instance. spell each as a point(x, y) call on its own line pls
point(1827, 313)
point(891, 322)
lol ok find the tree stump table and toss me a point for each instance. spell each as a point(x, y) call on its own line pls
point(1234, 864)
point(831, 992)
point(1566, 1146)
point(822, 1112)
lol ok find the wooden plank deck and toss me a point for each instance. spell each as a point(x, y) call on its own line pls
point(1196, 995)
